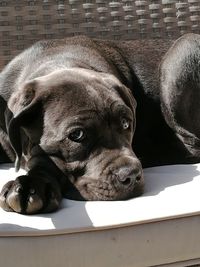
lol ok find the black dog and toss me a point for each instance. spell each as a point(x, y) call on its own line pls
point(68, 115)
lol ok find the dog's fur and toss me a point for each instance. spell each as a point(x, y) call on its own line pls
point(68, 115)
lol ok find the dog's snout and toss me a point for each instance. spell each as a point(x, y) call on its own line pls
point(128, 176)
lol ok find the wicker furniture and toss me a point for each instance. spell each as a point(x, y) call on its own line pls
point(25, 21)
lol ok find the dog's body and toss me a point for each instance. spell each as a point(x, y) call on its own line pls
point(76, 98)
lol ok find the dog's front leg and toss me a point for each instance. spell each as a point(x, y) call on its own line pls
point(37, 192)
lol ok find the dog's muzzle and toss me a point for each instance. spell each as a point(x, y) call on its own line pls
point(128, 176)
point(114, 179)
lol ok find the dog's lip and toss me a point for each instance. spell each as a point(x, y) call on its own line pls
point(88, 188)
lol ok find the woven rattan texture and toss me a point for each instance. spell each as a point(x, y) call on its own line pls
point(22, 22)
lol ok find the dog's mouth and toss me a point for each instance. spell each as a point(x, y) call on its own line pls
point(108, 181)
point(104, 189)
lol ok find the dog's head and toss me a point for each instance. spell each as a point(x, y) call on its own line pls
point(85, 122)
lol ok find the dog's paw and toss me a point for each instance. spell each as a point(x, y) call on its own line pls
point(29, 195)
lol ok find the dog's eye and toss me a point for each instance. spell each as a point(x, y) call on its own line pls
point(125, 123)
point(77, 135)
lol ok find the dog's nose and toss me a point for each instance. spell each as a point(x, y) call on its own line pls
point(129, 176)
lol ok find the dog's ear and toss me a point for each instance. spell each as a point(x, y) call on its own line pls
point(22, 108)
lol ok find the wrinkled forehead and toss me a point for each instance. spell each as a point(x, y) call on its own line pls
point(92, 96)
point(88, 101)
point(75, 92)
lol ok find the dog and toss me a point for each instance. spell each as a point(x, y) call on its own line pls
point(84, 116)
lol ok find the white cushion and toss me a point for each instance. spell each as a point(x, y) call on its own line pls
point(162, 226)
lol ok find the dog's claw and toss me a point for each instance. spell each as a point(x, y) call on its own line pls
point(29, 195)
point(3, 196)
